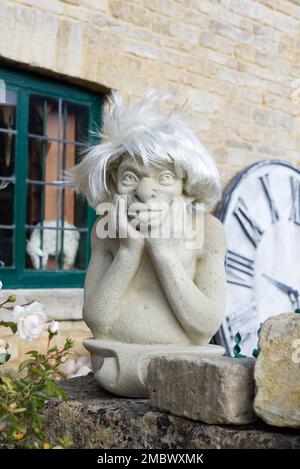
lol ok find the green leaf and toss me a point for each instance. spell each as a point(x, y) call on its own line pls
point(38, 387)
point(255, 352)
point(12, 325)
point(34, 353)
point(297, 310)
point(22, 383)
point(5, 416)
point(42, 395)
point(4, 357)
point(36, 371)
point(59, 393)
point(20, 427)
point(25, 364)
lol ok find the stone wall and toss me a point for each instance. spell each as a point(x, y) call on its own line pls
point(93, 418)
point(236, 60)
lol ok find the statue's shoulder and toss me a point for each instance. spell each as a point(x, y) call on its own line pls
point(214, 232)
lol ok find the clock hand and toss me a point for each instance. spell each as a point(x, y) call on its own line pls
point(281, 286)
point(293, 294)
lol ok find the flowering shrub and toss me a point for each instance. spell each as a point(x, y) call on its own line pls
point(22, 398)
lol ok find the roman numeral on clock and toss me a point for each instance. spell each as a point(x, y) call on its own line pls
point(295, 188)
point(242, 316)
point(239, 269)
point(248, 224)
point(267, 190)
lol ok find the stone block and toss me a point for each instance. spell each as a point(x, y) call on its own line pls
point(140, 49)
point(94, 5)
point(93, 418)
point(131, 13)
point(277, 371)
point(215, 390)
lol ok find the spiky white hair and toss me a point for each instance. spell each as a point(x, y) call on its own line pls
point(141, 130)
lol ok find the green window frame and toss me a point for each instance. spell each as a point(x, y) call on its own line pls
point(24, 85)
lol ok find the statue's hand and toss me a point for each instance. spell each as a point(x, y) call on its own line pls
point(168, 235)
point(129, 236)
point(166, 245)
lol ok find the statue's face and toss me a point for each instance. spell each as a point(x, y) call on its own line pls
point(148, 185)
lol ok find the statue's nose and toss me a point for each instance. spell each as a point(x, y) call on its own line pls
point(145, 189)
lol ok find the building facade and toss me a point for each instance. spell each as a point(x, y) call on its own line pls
point(236, 61)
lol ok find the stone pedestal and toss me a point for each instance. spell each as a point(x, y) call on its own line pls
point(277, 371)
point(121, 368)
point(93, 418)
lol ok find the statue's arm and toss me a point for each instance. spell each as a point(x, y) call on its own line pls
point(198, 304)
point(107, 281)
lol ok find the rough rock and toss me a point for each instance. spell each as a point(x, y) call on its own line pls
point(277, 371)
point(215, 390)
point(93, 418)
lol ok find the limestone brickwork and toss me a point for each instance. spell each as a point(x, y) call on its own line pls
point(237, 61)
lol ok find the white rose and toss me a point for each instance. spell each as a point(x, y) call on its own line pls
point(1, 284)
point(30, 320)
point(54, 327)
point(3, 347)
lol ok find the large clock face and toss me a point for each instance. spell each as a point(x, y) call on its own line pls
point(261, 214)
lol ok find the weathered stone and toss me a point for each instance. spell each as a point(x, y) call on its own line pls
point(210, 389)
point(76, 39)
point(277, 371)
point(93, 418)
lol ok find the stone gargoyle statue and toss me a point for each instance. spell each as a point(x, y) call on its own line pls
point(156, 280)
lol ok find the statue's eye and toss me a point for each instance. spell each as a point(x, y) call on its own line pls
point(166, 178)
point(129, 178)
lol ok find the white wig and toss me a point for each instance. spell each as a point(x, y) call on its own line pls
point(141, 130)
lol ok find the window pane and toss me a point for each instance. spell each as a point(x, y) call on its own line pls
point(76, 120)
point(8, 111)
point(46, 202)
point(7, 164)
point(43, 113)
point(7, 138)
point(6, 247)
point(81, 257)
point(47, 234)
point(53, 247)
point(56, 221)
point(7, 154)
point(6, 204)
